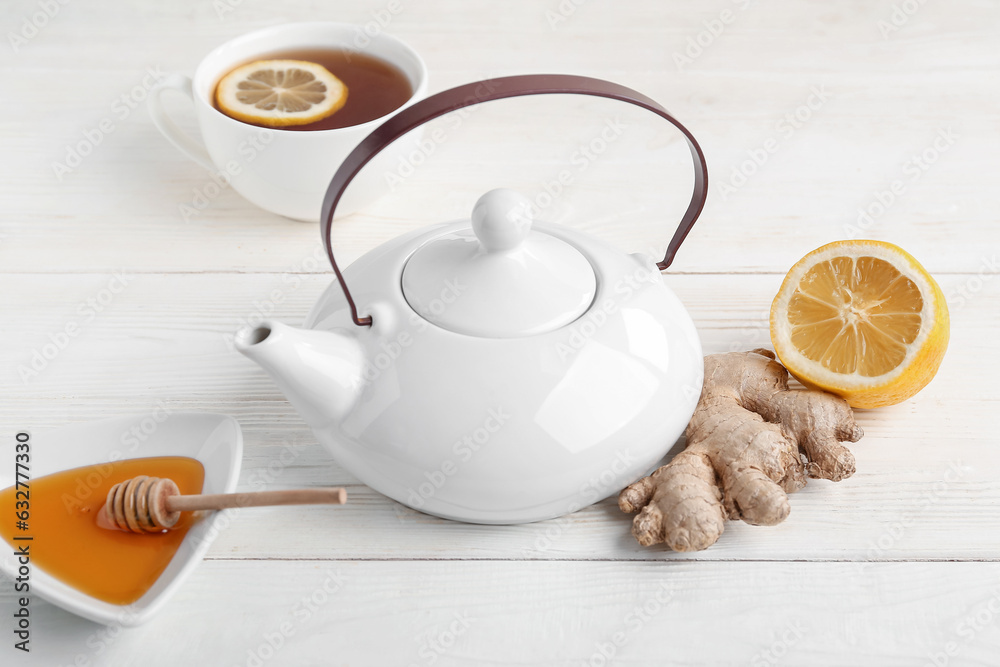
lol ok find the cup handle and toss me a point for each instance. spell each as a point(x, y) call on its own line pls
point(178, 137)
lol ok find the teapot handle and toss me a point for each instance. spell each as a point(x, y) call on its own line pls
point(486, 91)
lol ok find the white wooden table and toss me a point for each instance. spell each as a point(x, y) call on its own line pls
point(837, 102)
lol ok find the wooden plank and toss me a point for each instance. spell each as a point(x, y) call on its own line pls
point(178, 329)
point(428, 612)
point(888, 99)
point(809, 192)
point(161, 341)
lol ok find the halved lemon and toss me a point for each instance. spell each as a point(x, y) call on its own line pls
point(279, 93)
point(863, 320)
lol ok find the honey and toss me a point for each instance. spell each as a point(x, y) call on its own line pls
point(67, 543)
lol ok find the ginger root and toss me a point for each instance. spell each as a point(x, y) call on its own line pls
point(750, 441)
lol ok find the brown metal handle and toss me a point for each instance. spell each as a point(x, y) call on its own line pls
point(497, 89)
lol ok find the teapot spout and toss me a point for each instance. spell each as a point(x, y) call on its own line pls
point(319, 372)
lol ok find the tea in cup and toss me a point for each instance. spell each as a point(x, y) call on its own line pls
point(286, 168)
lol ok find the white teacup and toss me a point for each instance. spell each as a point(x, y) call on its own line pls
point(284, 171)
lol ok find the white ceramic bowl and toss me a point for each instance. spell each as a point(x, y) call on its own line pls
point(215, 440)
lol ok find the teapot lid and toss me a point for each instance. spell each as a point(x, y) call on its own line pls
point(544, 309)
point(501, 278)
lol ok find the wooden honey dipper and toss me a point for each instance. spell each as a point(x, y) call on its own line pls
point(152, 504)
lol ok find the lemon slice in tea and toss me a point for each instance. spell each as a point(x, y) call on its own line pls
point(280, 93)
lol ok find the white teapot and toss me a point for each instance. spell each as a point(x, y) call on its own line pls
point(495, 370)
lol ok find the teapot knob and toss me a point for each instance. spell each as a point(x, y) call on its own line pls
point(501, 219)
